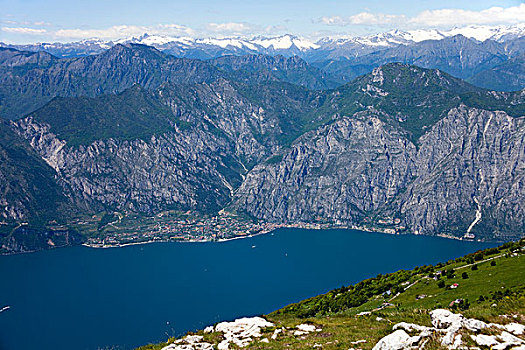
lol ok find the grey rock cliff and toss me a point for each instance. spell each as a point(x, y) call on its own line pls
point(177, 170)
point(469, 164)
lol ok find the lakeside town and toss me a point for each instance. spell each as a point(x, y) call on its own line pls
point(117, 229)
point(169, 227)
point(222, 227)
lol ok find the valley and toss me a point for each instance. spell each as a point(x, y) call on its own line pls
point(217, 185)
point(135, 131)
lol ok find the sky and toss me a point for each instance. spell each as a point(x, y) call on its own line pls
point(31, 21)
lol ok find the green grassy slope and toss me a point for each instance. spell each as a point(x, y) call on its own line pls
point(494, 288)
point(129, 115)
point(411, 98)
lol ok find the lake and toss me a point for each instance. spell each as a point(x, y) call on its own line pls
point(84, 298)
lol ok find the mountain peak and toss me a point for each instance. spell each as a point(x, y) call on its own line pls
point(402, 77)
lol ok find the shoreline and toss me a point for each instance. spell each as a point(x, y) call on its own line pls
point(289, 226)
point(97, 246)
point(304, 226)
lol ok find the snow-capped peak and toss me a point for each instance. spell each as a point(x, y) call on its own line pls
point(482, 33)
point(396, 37)
point(227, 42)
point(288, 45)
point(157, 40)
point(285, 42)
point(421, 35)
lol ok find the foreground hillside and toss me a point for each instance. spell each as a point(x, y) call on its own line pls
point(486, 287)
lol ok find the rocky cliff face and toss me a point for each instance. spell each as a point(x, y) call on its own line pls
point(188, 169)
point(403, 148)
point(470, 176)
point(465, 175)
point(28, 187)
point(25, 239)
point(338, 173)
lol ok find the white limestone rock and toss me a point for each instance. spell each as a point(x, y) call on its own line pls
point(457, 342)
point(241, 331)
point(410, 327)
point(192, 339)
point(515, 328)
point(306, 327)
point(448, 325)
point(190, 342)
point(399, 340)
point(443, 319)
point(485, 340)
point(449, 337)
point(223, 345)
point(508, 340)
point(276, 333)
point(196, 346)
point(474, 325)
point(451, 323)
point(299, 333)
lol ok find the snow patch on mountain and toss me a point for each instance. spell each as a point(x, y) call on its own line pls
point(285, 42)
point(287, 45)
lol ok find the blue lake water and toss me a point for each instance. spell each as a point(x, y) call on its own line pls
point(83, 298)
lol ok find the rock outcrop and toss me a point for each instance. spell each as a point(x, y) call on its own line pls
point(447, 328)
point(241, 332)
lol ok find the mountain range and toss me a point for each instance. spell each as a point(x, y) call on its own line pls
point(134, 129)
point(286, 45)
point(469, 53)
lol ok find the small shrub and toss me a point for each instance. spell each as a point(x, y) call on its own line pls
point(465, 305)
point(478, 256)
point(464, 275)
point(441, 284)
point(474, 267)
point(493, 263)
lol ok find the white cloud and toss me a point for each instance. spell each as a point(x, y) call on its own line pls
point(230, 27)
point(42, 23)
point(242, 29)
point(124, 31)
point(435, 18)
point(23, 30)
point(118, 32)
point(452, 17)
point(363, 18)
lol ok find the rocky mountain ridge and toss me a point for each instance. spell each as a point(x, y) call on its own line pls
point(462, 52)
point(30, 80)
point(287, 44)
point(402, 149)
